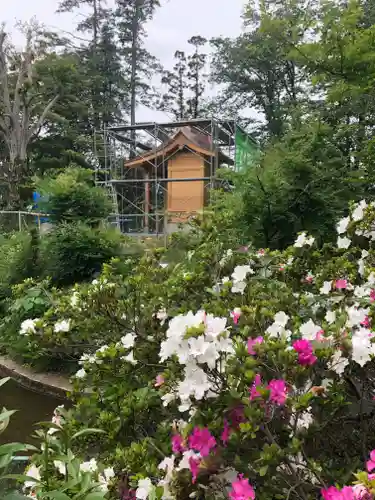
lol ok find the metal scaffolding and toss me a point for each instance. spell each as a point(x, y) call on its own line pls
point(132, 213)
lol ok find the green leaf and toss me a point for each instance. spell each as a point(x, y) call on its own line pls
point(87, 431)
point(263, 470)
point(95, 496)
point(4, 381)
point(20, 477)
point(57, 495)
point(49, 425)
point(6, 414)
point(14, 496)
point(5, 460)
point(12, 448)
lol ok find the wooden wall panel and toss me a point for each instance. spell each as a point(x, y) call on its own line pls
point(185, 197)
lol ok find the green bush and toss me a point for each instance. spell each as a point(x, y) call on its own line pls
point(18, 255)
point(74, 252)
point(71, 197)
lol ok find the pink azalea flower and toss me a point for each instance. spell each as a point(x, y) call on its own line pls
point(226, 433)
point(159, 380)
point(261, 252)
point(320, 336)
point(254, 393)
point(372, 296)
point(236, 314)
point(305, 352)
point(361, 492)
point(251, 343)
point(243, 249)
point(333, 493)
point(281, 267)
point(370, 477)
point(241, 489)
point(341, 284)
point(278, 391)
point(309, 278)
point(366, 322)
point(202, 440)
point(194, 464)
point(178, 444)
point(371, 463)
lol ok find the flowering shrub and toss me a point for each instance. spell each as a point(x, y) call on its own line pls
point(235, 373)
point(55, 472)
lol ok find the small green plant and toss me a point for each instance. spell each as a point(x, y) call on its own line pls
point(75, 252)
point(71, 197)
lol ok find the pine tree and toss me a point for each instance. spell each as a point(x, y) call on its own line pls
point(197, 84)
point(174, 101)
point(186, 83)
point(132, 15)
point(101, 60)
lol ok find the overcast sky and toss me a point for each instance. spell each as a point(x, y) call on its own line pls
point(170, 29)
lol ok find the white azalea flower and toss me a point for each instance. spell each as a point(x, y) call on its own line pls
point(32, 472)
point(358, 212)
point(128, 340)
point(167, 464)
point(356, 316)
point(281, 318)
point(302, 420)
point(129, 358)
point(309, 330)
point(60, 466)
point(326, 288)
point(89, 358)
point(102, 349)
point(303, 240)
point(162, 316)
point(330, 317)
point(168, 398)
point(184, 463)
point(90, 466)
point(338, 363)
point(238, 287)
point(28, 326)
point(240, 272)
point(196, 383)
point(342, 225)
point(81, 373)
point(343, 242)
point(62, 326)
point(361, 291)
point(362, 348)
point(144, 488)
point(74, 299)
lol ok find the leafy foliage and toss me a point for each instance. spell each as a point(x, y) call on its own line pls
point(71, 197)
point(73, 252)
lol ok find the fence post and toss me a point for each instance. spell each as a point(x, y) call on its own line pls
point(20, 221)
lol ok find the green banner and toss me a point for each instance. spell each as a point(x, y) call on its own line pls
point(246, 151)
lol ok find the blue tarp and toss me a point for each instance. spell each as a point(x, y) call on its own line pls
point(36, 198)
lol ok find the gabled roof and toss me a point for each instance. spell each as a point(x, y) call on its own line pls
point(186, 137)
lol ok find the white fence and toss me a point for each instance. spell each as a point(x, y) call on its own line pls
point(19, 220)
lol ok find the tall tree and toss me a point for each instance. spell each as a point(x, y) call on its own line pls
point(101, 59)
point(307, 175)
point(174, 100)
point(132, 15)
point(257, 68)
point(197, 83)
point(24, 109)
point(186, 83)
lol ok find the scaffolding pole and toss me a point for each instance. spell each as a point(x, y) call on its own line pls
point(146, 189)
